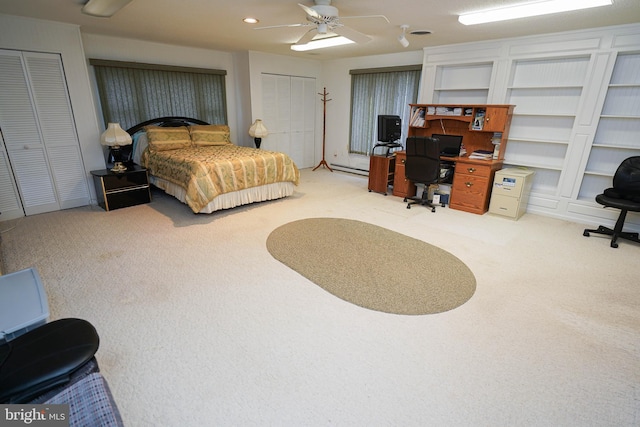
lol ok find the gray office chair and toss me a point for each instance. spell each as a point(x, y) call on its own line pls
point(624, 195)
point(422, 166)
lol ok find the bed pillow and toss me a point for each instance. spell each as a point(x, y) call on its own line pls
point(167, 138)
point(203, 135)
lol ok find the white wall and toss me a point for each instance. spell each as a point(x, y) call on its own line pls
point(338, 83)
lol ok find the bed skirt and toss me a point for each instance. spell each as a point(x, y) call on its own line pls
point(273, 191)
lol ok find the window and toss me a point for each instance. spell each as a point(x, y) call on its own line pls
point(131, 93)
point(387, 91)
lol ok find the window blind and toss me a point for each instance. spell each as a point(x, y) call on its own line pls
point(131, 93)
point(387, 91)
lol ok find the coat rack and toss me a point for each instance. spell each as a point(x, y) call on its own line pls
point(324, 128)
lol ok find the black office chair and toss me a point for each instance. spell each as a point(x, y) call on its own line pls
point(624, 195)
point(422, 166)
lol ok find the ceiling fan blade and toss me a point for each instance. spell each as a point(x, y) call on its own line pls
point(367, 16)
point(307, 37)
point(310, 11)
point(283, 26)
point(351, 34)
point(103, 8)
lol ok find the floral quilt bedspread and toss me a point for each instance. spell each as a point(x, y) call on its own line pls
point(206, 172)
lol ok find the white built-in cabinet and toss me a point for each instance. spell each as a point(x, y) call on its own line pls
point(289, 114)
point(547, 94)
point(618, 134)
point(42, 168)
point(463, 84)
point(577, 109)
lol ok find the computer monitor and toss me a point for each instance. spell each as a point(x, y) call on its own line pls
point(449, 144)
point(389, 128)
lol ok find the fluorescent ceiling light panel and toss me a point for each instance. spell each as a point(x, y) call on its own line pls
point(529, 9)
point(103, 8)
point(321, 43)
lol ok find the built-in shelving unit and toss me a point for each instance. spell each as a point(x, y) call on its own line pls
point(547, 93)
point(577, 114)
point(618, 133)
point(463, 84)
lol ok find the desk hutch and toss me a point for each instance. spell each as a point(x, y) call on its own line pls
point(482, 127)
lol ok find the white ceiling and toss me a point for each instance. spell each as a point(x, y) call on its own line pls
point(217, 24)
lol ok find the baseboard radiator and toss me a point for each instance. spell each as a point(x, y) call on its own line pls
point(350, 169)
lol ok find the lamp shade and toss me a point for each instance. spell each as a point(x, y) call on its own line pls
point(258, 130)
point(114, 136)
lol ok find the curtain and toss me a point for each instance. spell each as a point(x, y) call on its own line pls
point(131, 93)
point(379, 92)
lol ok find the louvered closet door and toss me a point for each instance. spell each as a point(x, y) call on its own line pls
point(39, 132)
point(288, 105)
point(10, 205)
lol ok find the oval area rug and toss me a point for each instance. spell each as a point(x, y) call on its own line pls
point(373, 267)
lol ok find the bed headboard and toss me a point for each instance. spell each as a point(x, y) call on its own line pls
point(166, 122)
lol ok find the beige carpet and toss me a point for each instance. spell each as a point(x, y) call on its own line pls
point(373, 267)
point(200, 326)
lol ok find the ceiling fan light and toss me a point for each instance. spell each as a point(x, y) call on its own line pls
point(529, 9)
point(103, 8)
point(322, 43)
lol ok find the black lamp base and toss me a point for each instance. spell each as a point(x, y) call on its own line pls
point(257, 141)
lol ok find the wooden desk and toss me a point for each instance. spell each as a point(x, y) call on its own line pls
point(482, 126)
point(472, 182)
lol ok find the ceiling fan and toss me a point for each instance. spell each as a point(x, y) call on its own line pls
point(324, 19)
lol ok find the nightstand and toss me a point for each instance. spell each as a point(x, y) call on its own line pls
point(121, 190)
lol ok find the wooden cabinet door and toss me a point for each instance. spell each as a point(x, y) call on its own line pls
point(402, 187)
point(381, 170)
point(495, 119)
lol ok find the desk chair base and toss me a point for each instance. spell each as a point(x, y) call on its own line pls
point(615, 233)
point(422, 201)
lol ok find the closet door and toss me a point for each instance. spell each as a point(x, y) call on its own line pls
point(288, 105)
point(303, 101)
point(39, 132)
point(10, 205)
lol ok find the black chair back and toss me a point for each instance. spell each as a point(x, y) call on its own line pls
point(423, 160)
point(627, 176)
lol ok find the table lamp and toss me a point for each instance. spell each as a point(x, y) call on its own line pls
point(258, 131)
point(115, 137)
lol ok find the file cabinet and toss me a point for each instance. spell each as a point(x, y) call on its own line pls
point(510, 195)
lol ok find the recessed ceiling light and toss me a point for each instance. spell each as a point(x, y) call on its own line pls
point(249, 20)
point(525, 10)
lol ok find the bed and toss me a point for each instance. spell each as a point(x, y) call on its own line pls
point(198, 164)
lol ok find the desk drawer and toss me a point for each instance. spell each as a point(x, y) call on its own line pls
point(472, 169)
point(469, 193)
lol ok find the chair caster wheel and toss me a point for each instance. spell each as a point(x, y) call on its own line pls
point(408, 206)
point(433, 209)
point(614, 245)
point(585, 233)
point(442, 204)
point(404, 200)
